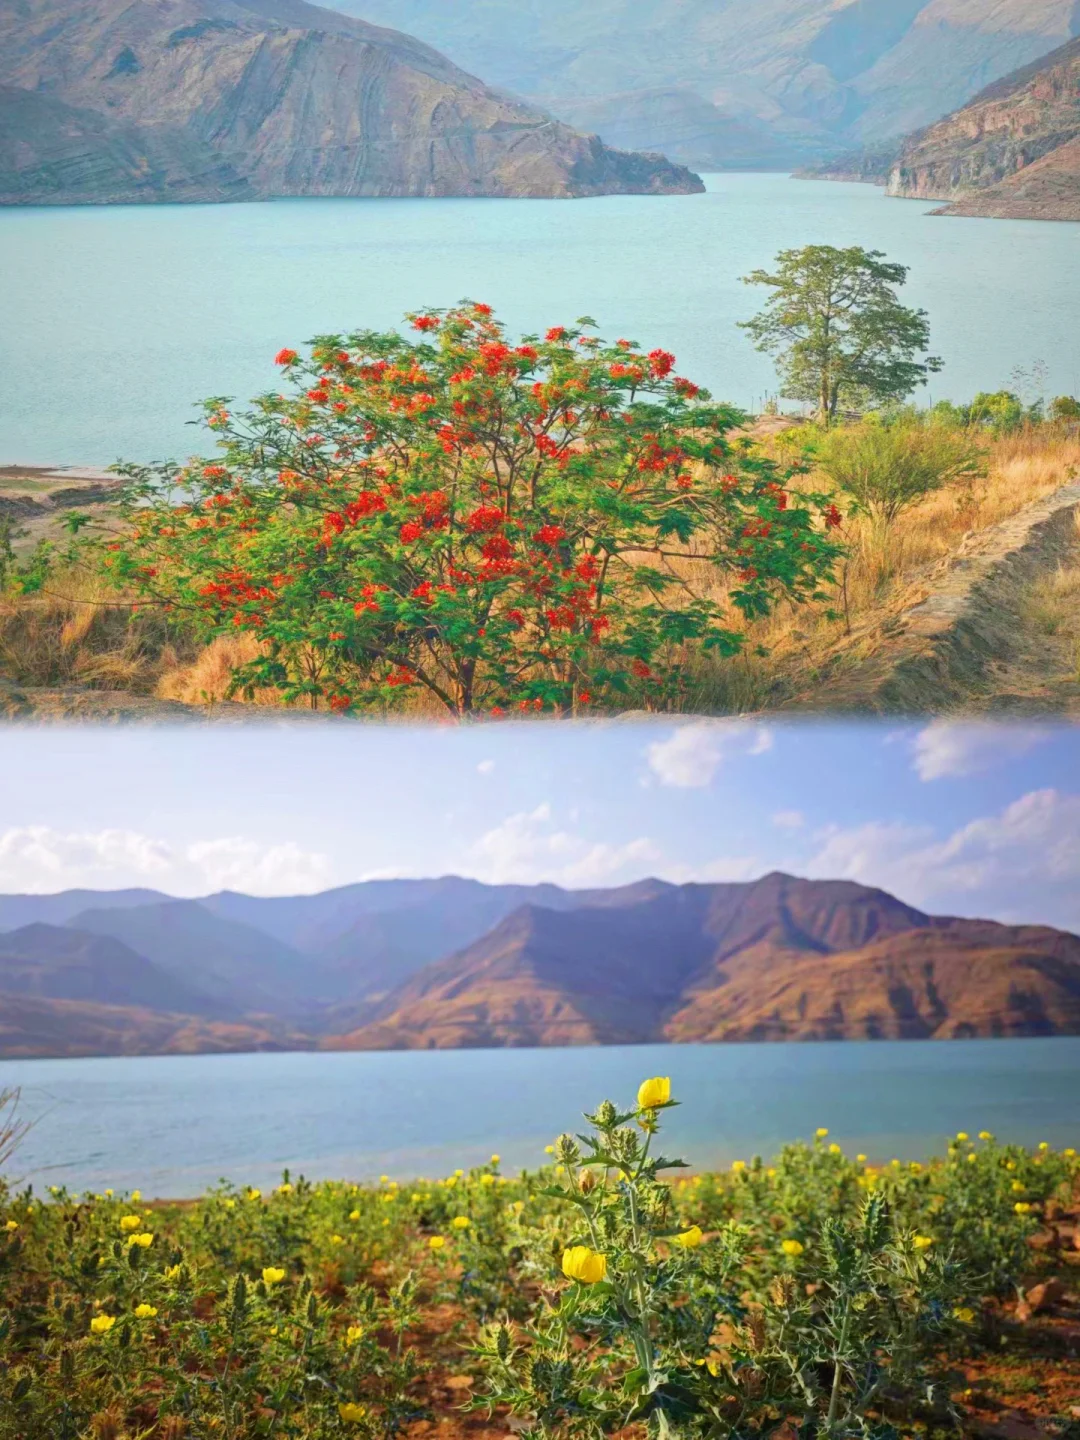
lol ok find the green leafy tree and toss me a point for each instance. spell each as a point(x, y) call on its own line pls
point(537, 526)
point(838, 331)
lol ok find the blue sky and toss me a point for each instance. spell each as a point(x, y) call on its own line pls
point(958, 818)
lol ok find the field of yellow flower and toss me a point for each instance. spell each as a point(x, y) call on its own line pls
point(810, 1296)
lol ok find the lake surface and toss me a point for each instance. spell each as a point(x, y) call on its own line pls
point(115, 321)
point(173, 1125)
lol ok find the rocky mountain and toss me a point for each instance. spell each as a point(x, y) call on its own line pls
point(450, 963)
point(1014, 151)
point(105, 100)
point(56, 963)
point(821, 76)
point(780, 959)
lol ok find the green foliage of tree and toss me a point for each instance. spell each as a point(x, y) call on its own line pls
point(887, 466)
point(837, 329)
point(1064, 408)
point(497, 525)
point(999, 412)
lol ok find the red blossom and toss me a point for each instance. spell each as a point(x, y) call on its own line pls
point(426, 322)
point(485, 519)
point(410, 531)
point(661, 363)
point(549, 535)
point(833, 518)
point(555, 334)
point(286, 357)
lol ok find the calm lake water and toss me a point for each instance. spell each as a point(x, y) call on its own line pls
point(173, 1125)
point(115, 321)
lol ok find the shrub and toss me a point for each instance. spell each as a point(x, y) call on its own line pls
point(494, 525)
point(888, 467)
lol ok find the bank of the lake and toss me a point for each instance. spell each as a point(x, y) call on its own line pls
point(174, 1125)
point(117, 320)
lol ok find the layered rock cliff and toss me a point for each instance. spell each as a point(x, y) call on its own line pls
point(1014, 151)
point(180, 99)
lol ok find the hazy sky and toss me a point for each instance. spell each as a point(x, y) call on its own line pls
point(977, 820)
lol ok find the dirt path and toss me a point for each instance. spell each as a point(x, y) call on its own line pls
point(999, 634)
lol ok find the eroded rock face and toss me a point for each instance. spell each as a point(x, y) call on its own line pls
point(1014, 151)
point(179, 99)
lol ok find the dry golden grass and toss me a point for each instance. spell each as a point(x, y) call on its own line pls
point(886, 571)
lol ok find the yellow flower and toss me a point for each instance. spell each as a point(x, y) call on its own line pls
point(460, 1222)
point(1018, 1187)
point(986, 1135)
point(915, 1167)
point(337, 1239)
point(487, 1179)
point(961, 1135)
point(964, 1314)
point(351, 1413)
point(142, 1239)
point(172, 1272)
point(353, 1334)
point(254, 1194)
point(1022, 1207)
point(738, 1166)
point(108, 1194)
point(285, 1188)
point(145, 1312)
point(437, 1242)
point(585, 1265)
point(690, 1239)
point(516, 1206)
point(972, 1158)
point(549, 1149)
point(793, 1248)
point(821, 1132)
point(136, 1196)
point(229, 1204)
point(922, 1242)
point(495, 1159)
point(1070, 1152)
point(11, 1226)
point(834, 1149)
point(130, 1222)
point(654, 1092)
point(354, 1214)
point(1044, 1145)
point(102, 1324)
point(272, 1275)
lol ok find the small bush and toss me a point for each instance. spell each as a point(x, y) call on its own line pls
point(888, 467)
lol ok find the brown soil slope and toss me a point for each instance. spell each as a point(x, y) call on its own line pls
point(280, 96)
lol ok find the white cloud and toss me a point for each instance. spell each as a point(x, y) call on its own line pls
point(789, 820)
point(530, 847)
point(951, 749)
point(1021, 864)
point(486, 767)
point(692, 754)
point(38, 859)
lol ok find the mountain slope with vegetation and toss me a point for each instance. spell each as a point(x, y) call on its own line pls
point(819, 75)
point(103, 100)
point(368, 967)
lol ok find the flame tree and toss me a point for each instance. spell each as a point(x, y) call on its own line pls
point(549, 525)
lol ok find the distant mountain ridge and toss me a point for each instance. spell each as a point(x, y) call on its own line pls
point(447, 963)
point(106, 101)
point(723, 83)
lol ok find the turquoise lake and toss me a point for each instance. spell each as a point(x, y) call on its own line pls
point(173, 1125)
point(115, 321)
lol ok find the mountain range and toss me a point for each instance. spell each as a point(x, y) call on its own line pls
point(722, 84)
point(165, 100)
point(447, 963)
